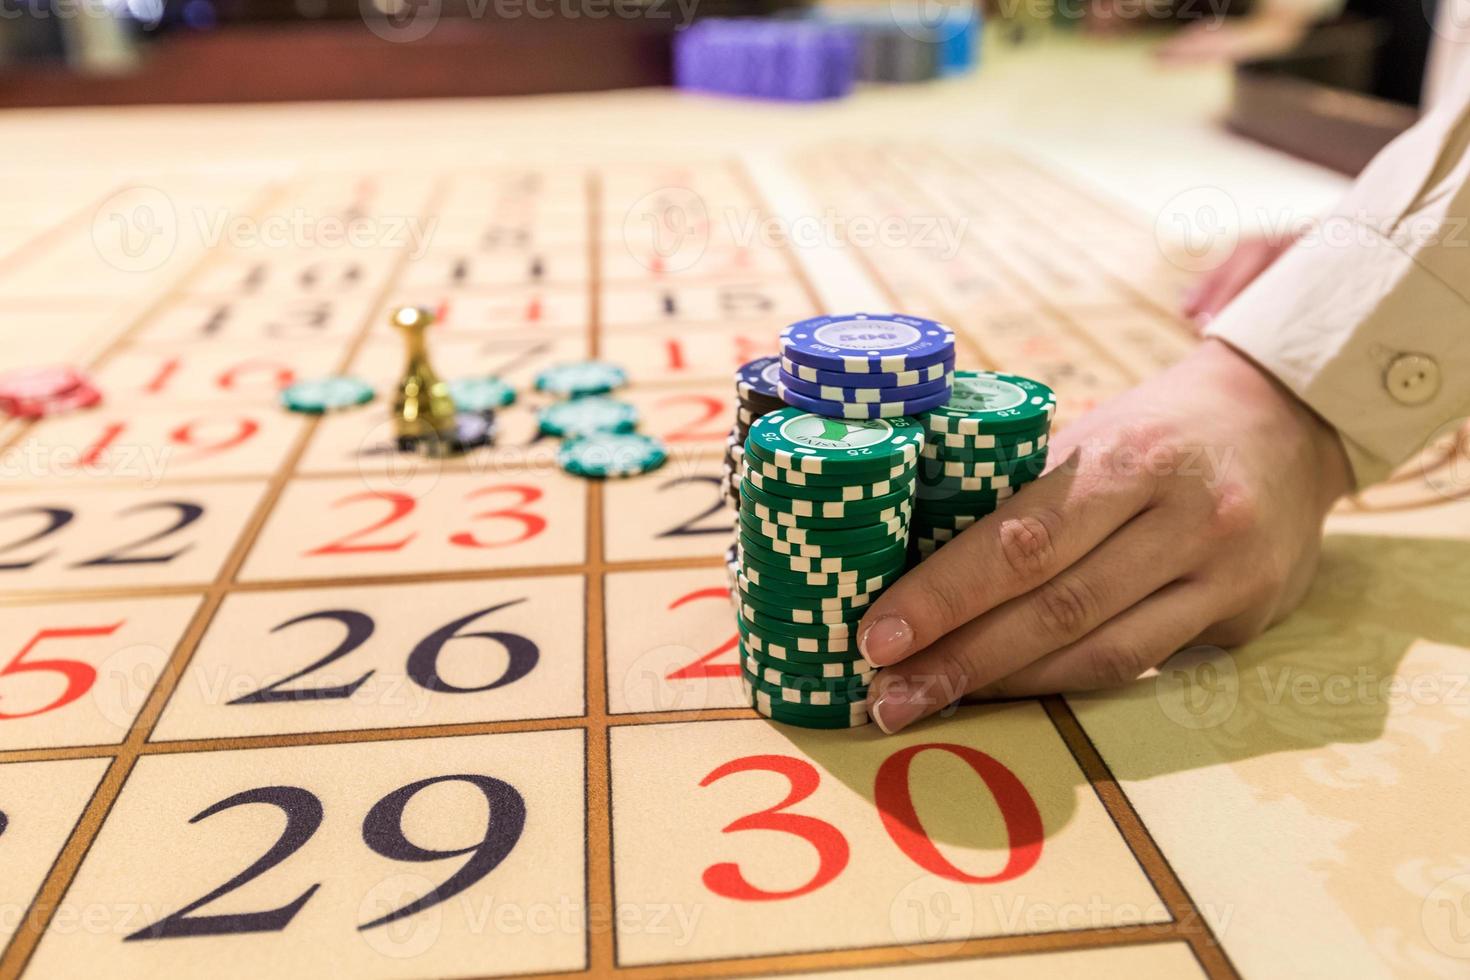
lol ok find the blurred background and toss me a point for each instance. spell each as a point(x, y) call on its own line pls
point(1328, 80)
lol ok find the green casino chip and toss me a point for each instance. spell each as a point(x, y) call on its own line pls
point(988, 403)
point(858, 565)
point(874, 534)
point(585, 416)
point(827, 510)
point(819, 620)
point(774, 599)
point(773, 567)
point(797, 720)
point(773, 581)
point(774, 591)
point(783, 554)
point(810, 691)
point(611, 454)
point(484, 394)
point(755, 659)
point(776, 515)
point(801, 617)
point(952, 494)
point(973, 487)
point(937, 534)
point(320, 395)
point(581, 378)
point(806, 640)
point(955, 508)
point(974, 492)
point(936, 519)
point(795, 607)
point(811, 443)
point(806, 692)
point(999, 444)
point(844, 550)
point(989, 454)
point(774, 626)
point(816, 585)
point(753, 576)
point(849, 492)
point(1024, 467)
point(853, 715)
point(852, 691)
point(796, 478)
point(941, 499)
point(798, 650)
point(858, 718)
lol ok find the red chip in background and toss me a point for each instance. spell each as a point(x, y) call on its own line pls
point(32, 393)
point(42, 382)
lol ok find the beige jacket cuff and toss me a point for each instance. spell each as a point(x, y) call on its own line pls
point(1367, 319)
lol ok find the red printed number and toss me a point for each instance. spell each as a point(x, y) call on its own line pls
point(401, 505)
point(726, 880)
point(79, 676)
point(702, 667)
point(531, 524)
point(896, 808)
point(711, 410)
point(901, 820)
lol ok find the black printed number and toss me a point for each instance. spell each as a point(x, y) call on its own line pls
point(303, 816)
point(382, 831)
point(54, 519)
point(522, 655)
point(696, 525)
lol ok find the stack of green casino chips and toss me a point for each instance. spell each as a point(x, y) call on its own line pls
point(824, 516)
point(982, 446)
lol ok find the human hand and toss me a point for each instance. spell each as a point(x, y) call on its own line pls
point(1188, 510)
point(1220, 285)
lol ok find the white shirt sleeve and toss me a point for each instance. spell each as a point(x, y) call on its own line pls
point(1367, 319)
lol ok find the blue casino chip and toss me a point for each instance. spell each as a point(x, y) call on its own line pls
point(867, 343)
point(755, 384)
point(866, 395)
point(868, 410)
point(885, 379)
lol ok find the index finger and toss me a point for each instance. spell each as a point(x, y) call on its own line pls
point(1028, 540)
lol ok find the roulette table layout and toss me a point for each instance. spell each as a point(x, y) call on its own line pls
point(278, 699)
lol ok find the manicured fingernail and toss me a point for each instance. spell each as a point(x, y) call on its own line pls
point(886, 641)
point(894, 710)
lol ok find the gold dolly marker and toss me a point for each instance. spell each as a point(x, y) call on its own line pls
point(422, 408)
point(424, 416)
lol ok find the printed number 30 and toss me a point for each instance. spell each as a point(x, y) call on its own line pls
point(895, 807)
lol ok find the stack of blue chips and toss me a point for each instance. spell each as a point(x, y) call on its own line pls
point(866, 365)
point(770, 59)
point(896, 46)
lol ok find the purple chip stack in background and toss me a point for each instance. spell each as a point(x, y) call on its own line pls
point(771, 59)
